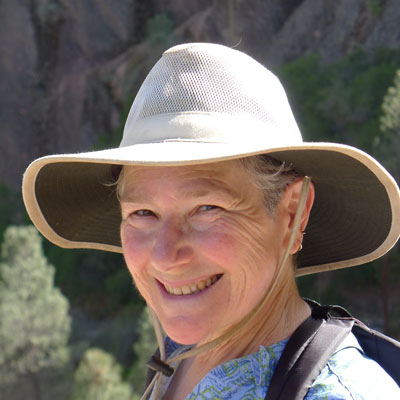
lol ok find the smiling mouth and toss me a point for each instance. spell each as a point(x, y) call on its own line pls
point(193, 287)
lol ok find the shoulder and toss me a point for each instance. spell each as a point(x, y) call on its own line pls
point(350, 374)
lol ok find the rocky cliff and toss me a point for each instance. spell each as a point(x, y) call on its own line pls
point(67, 67)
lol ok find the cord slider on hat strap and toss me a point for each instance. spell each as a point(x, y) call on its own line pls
point(160, 366)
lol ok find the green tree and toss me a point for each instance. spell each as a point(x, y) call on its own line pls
point(390, 120)
point(34, 320)
point(98, 377)
point(11, 208)
point(390, 125)
point(143, 349)
point(159, 29)
point(341, 101)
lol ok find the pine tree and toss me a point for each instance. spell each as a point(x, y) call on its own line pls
point(98, 377)
point(390, 127)
point(34, 320)
point(143, 348)
point(390, 120)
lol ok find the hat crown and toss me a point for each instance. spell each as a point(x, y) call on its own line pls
point(203, 78)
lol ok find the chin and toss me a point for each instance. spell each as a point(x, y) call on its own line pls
point(184, 333)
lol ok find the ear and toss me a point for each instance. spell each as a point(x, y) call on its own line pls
point(290, 203)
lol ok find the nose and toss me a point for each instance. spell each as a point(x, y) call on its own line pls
point(172, 248)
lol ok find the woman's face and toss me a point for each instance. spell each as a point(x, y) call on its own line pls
point(199, 244)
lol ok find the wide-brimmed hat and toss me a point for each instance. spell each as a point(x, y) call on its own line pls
point(205, 103)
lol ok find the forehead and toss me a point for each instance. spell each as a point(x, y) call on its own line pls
point(227, 177)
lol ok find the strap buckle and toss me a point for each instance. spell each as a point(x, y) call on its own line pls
point(160, 366)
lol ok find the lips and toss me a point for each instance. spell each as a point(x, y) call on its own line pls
point(193, 287)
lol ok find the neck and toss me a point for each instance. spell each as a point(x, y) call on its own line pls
point(276, 321)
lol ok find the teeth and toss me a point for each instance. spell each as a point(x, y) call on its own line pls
point(192, 288)
point(177, 291)
point(186, 290)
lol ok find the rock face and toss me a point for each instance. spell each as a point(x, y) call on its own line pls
point(67, 67)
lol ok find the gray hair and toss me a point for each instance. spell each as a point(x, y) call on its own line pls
point(271, 177)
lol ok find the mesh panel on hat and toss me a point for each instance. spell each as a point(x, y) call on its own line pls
point(218, 80)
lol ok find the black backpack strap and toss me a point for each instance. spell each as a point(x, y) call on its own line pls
point(381, 348)
point(306, 354)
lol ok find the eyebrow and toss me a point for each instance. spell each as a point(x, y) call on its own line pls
point(199, 193)
point(137, 197)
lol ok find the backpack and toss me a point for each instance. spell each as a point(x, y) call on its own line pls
point(313, 343)
point(310, 347)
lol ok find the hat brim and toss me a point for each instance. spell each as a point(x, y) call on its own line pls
point(354, 220)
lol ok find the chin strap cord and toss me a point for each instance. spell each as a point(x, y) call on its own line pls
point(159, 365)
point(162, 365)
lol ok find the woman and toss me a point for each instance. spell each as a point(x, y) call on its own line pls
point(208, 198)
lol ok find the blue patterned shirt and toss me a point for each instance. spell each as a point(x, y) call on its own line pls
point(349, 374)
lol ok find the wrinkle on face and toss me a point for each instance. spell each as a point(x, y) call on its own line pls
point(196, 182)
point(240, 240)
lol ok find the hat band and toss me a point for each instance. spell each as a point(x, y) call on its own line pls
point(211, 128)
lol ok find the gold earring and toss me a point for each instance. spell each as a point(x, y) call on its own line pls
point(300, 248)
point(301, 244)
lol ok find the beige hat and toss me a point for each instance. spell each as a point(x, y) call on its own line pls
point(204, 103)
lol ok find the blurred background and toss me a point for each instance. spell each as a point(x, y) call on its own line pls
point(72, 326)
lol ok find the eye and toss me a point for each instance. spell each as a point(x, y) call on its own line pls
point(207, 207)
point(139, 218)
point(144, 213)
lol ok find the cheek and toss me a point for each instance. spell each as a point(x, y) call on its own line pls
point(217, 244)
point(135, 244)
point(246, 251)
point(243, 240)
point(136, 253)
point(252, 251)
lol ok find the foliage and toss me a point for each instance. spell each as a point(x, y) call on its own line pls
point(98, 282)
point(341, 101)
point(7, 199)
point(98, 377)
point(49, 11)
point(159, 29)
point(390, 120)
point(11, 208)
point(143, 348)
point(376, 7)
point(34, 320)
point(390, 126)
